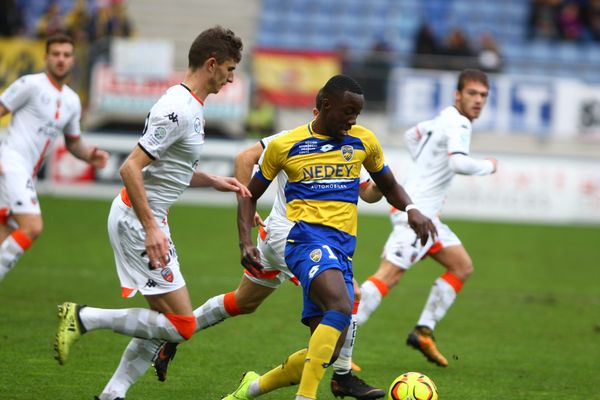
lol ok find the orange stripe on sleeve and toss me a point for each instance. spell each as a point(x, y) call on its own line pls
point(380, 285)
point(230, 304)
point(22, 239)
point(126, 292)
point(125, 197)
point(453, 281)
point(262, 232)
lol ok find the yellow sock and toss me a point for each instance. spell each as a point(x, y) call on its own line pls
point(320, 350)
point(286, 374)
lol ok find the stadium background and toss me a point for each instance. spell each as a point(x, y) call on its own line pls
point(534, 294)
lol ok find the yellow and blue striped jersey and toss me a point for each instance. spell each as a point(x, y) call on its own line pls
point(323, 181)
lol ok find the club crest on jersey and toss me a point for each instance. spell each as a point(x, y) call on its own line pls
point(160, 133)
point(316, 255)
point(167, 274)
point(347, 152)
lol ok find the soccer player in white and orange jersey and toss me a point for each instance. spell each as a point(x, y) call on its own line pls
point(42, 107)
point(440, 149)
point(158, 170)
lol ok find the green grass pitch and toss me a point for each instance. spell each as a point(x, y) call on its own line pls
point(526, 326)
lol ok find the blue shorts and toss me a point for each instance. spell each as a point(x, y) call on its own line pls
point(307, 261)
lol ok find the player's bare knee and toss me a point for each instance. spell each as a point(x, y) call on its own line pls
point(462, 269)
point(33, 230)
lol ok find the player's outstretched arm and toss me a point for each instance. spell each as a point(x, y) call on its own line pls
point(397, 197)
point(90, 154)
point(220, 183)
point(465, 165)
point(250, 257)
point(244, 165)
point(156, 242)
point(369, 192)
point(245, 162)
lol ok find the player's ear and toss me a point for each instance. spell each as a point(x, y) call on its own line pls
point(211, 64)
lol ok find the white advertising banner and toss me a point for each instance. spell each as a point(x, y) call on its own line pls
point(128, 98)
point(540, 106)
point(525, 188)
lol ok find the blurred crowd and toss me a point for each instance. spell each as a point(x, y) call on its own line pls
point(455, 51)
point(567, 20)
point(87, 21)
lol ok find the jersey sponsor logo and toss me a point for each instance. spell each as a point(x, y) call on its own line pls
point(173, 118)
point(347, 152)
point(197, 125)
point(307, 147)
point(167, 274)
point(313, 271)
point(327, 147)
point(316, 255)
point(45, 98)
point(327, 171)
point(151, 283)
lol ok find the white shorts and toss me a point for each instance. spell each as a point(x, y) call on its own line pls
point(127, 239)
point(17, 186)
point(403, 249)
point(271, 245)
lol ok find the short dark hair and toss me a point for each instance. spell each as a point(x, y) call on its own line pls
point(472, 75)
point(58, 38)
point(338, 84)
point(217, 42)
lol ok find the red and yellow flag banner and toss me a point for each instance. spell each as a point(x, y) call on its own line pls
point(293, 78)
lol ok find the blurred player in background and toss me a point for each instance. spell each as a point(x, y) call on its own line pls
point(42, 107)
point(254, 289)
point(440, 149)
point(322, 160)
point(157, 171)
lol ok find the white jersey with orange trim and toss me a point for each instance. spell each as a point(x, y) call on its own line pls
point(41, 110)
point(439, 148)
point(173, 137)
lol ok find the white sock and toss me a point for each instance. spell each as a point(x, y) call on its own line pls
point(343, 364)
point(135, 361)
point(370, 298)
point(10, 252)
point(440, 299)
point(211, 312)
point(254, 389)
point(137, 322)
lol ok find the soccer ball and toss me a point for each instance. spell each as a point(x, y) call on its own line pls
point(412, 386)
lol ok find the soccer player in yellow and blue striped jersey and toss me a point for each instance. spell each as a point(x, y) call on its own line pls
point(322, 160)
